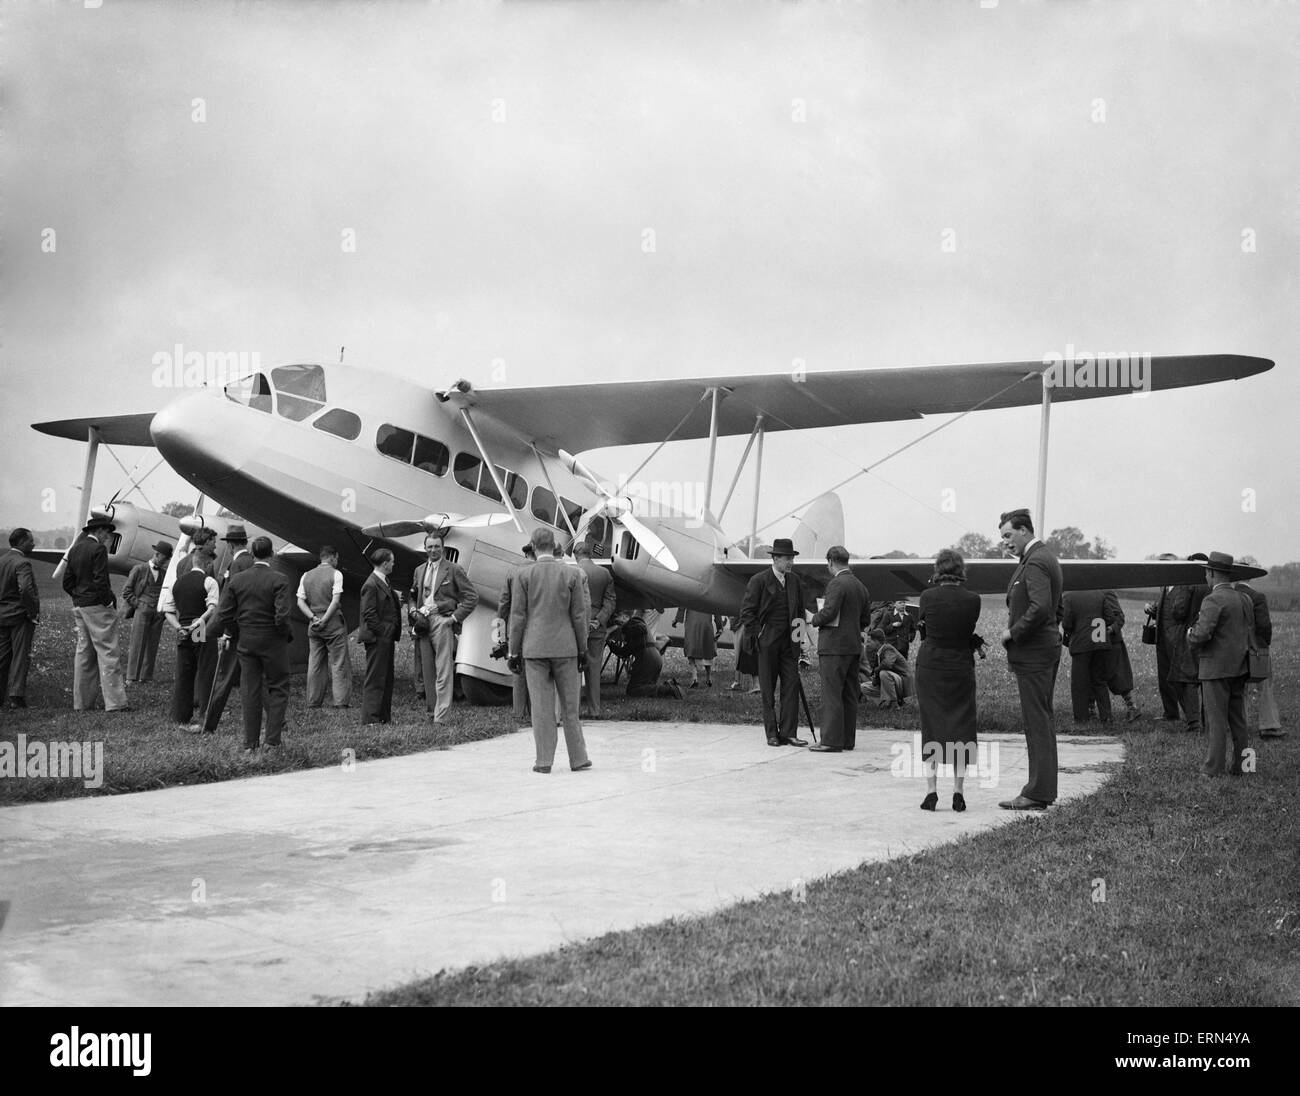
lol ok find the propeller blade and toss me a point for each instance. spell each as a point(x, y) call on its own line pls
point(582, 472)
point(391, 529)
point(649, 541)
point(478, 521)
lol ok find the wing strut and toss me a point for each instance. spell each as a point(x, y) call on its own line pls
point(713, 448)
point(758, 426)
point(758, 481)
point(556, 494)
point(1042, 457)
point(492, 468)
point(88, 479)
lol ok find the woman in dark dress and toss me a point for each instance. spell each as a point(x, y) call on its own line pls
point(945, 676)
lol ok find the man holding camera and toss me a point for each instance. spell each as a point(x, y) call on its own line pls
point(442, 596)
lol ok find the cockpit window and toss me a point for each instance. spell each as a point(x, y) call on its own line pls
point(341, 423)
point(300, 390)
point(252, 392)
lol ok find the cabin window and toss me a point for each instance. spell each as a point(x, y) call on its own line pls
point(431, 456)
point(395, 442)
point(467, 470)
point(471, 473)
point(254, 392)
point(516, 487)
point(340, 423)
point(543, 505)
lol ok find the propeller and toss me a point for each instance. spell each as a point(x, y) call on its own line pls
point(618, 509)
point(433, 523)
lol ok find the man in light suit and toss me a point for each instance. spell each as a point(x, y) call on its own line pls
point(1032, 640)
point(519, 688)
point(548, 639)
point(1088, 618)
point(772, 615)
point(228, 673)
point(1220, 639)
point(258, 602)
point(840, 621)
point(94, 605)
point(381, 628)
point(604, 603)
point(20, 612)
point(442, 595)
point(141, 593)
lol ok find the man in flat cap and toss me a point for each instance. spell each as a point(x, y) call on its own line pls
point(772, 611)
point(94, 606)
point(839, 624)
point(1032, 640)
point(1219, 640)
point(141, 594)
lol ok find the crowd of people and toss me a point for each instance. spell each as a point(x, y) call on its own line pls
point(557, 618)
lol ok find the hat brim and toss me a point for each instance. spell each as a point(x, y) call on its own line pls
point(774, 552)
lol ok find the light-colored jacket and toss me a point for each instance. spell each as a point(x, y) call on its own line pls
point(548, 614)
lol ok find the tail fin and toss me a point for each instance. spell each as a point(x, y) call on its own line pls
point(821, 526)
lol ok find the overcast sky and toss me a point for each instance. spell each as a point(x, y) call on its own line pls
point(1098, 167)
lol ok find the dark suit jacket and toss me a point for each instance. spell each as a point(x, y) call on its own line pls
point(238, 566)
point(847, 599)
point(19, 599)
point(455, 592)
point(381, 612)
point(86, 575)
point(548, 612)
point(761, 595)
point(258, 602)
point(1182, 608)
point(1263, 622)
point(1033, 608)
point(1085, 614)
point(1221, 635)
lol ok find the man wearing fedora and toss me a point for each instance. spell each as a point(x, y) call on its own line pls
point(94, 606)
point(141, 593)
point(226, 636)
point(1032, 640)
point(773, 608)
point(1220, 640)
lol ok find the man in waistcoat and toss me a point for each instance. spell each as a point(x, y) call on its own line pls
point(320, 597)
point(141, 593)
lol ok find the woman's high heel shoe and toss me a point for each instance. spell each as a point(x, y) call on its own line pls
point(958, 802)
point(930, 802)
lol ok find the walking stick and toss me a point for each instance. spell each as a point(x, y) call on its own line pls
point(806, 710)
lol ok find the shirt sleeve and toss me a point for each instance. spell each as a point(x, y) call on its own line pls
point(338, 586)
point(211, 592)
point(302, 589)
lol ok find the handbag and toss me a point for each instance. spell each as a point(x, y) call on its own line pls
point(1149, 631)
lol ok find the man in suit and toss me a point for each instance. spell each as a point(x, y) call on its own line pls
point(1159, 611)
point(441, 596)
point(141, 593)
point(1088, 618)
point(519, 689)
point(899, 626)
point(1270, 720)
point(1219, 640)
point(1180, 611)
point(259, 603)
point(381, 628)
point(604, 603)
point(320, 600)
point(772, 615)
point(548, 638)
point(20, 612)
point(227, 675)
point(630, 640)
point(94, 606)
point(840, 621)
point(1032, 640)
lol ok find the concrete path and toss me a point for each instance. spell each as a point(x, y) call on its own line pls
point(328, 883)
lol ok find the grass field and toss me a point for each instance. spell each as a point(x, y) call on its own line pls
point(1160, 889)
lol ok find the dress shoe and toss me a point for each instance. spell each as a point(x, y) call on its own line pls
point(1273, 732)
point(793, 742)
point(821, 747)
point(1021, 803)
point(958, 802)
point(847, 748)
point(541, 768)
point(1132, 714)
point(695, 684)
point(124, 708)
point(582, 768)
point(774, 740)
point(17, 702)
point(930, 801)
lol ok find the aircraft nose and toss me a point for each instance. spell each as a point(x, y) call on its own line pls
point(188, 433)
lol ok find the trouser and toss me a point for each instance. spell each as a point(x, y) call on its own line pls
point(195, 666)
point(519, 697)
point(96, 665)
point(839, 675)
point(436, 654)
point(264, 683)
point(146, 629)
point(15, 656)
point(225, 678)
point(377, 687)
point(1225, 714)
point(547, 679)
point(1269, 717)
point(1036, 685)
point(328, 665)
point(1169, 690)
point(595, 660)
point(892, 689)
point(1089, 672)
point(779, 662)
point(1189, 699)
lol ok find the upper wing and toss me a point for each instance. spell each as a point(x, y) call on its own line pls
point(113, 429)
point(895, 578)
point(589, 416)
